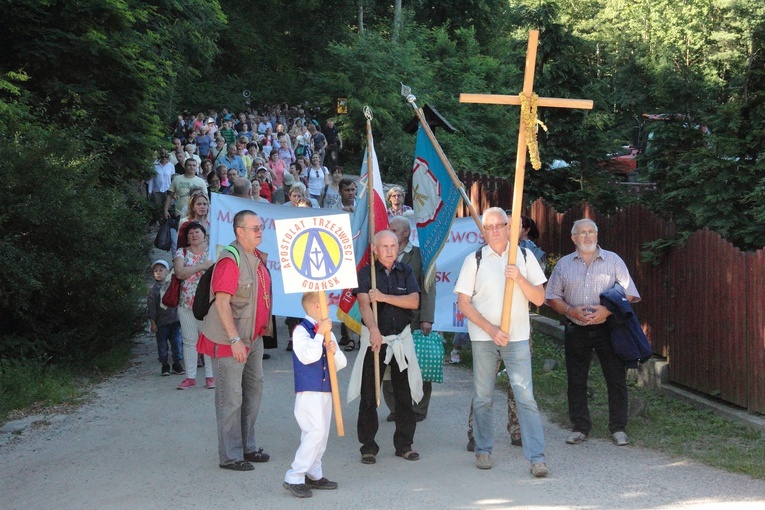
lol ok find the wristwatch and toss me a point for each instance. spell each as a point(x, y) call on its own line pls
point(234, 340)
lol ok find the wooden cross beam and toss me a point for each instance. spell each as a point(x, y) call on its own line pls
point(520, 160)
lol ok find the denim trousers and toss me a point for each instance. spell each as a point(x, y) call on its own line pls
point(169, 333)
point(579, 344)
point(517, 358)
point(367, 426)
point(238, 392)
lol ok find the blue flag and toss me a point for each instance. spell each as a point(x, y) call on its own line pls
point(435, 199)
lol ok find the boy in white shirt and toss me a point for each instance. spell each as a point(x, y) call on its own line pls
point(311, 340)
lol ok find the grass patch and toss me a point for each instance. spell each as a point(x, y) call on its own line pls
point(668, 425)
point(31, 386)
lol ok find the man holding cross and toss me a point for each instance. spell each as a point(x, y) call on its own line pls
point(480, 297)
point(387, 335)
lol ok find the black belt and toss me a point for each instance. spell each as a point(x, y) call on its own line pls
point(594, 330)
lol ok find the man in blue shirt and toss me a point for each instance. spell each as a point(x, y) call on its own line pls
point(233, 161)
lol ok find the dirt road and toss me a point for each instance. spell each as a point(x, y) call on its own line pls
point(143, 444)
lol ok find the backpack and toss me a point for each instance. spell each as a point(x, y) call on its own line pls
point(479, 256)
point(202, 300)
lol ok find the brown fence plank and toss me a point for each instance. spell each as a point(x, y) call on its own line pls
point(755, 313)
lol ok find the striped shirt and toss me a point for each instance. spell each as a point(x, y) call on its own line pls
point(579, 285)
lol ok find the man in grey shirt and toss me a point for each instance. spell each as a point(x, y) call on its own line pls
point(574, 290)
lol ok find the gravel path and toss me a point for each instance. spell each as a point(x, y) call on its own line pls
point(143, 444)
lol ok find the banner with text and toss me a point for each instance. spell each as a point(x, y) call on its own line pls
point(223, 208)
point(316, 254)
point(462, 240)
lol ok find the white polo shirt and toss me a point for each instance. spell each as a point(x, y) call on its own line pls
point(487, 289)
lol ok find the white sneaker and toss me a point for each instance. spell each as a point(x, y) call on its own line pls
point(620, 438)
point(454, 357)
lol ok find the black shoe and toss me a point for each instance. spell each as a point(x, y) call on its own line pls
point(266, 356)
point(178, 368)
point(289, 349)
point(165, 369)
point(344, 341)
point(350, 346)
point(259, 456)
point(321, 484)
point(240, 465)
point(299, 490)
point(391, 417)
point(471, 445)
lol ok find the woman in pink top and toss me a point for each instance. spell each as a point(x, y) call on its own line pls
point(276, 168)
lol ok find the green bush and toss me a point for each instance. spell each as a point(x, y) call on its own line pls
point(28, 382)
point(72, 251)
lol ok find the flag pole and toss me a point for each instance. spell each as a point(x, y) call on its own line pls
point(371, 206)
point(407, 92)
point(332, 370)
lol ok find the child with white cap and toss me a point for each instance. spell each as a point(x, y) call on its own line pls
point(164, 321)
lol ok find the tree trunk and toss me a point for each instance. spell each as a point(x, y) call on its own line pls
point(360, 19)
point(396, 20)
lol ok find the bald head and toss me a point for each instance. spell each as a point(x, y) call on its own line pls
point(242, 188)
point(400, 227)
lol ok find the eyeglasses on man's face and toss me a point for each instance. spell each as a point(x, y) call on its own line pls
point(492, 228)
point(258, 228)
point(585, 233)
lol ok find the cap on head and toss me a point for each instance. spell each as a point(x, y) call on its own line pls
point(162, 263)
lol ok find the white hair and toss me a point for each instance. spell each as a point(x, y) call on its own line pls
point(581, 222)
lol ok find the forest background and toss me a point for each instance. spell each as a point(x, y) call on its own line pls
point(89, 89)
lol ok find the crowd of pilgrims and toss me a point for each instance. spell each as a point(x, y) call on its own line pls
point(285, 154)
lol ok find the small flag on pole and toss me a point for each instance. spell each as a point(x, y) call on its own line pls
point(348, 309)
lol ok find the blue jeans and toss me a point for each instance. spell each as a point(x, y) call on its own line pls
point(169, 333)
point(517, 358)
point(238, 392)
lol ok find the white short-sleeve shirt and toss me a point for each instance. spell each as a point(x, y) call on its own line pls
point(487, 288)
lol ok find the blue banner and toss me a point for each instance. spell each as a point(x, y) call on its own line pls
point(434, 199)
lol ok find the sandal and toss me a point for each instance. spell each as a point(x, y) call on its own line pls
point(368, 458)
point(410, 455)
point(351, 346)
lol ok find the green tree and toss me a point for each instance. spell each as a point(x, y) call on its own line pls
point(106, 66)
point(73, 253)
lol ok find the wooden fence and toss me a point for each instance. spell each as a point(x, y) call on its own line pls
point(703, 305)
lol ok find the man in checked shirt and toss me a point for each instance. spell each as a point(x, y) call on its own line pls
point(574, 290)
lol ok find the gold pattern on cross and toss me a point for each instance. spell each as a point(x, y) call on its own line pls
point(418, 197)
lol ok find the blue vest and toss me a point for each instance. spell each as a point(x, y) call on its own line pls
point(314, 376)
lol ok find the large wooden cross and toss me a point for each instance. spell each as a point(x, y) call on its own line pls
point(520, 160)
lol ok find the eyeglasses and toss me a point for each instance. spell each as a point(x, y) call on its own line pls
point(259, 228)
point(591, 233)
point(492, 228)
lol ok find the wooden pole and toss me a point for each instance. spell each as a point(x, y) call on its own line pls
point(371, 205)
point(520, 174)
point(549, 102)
point(445, 161)
point(332, 371)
